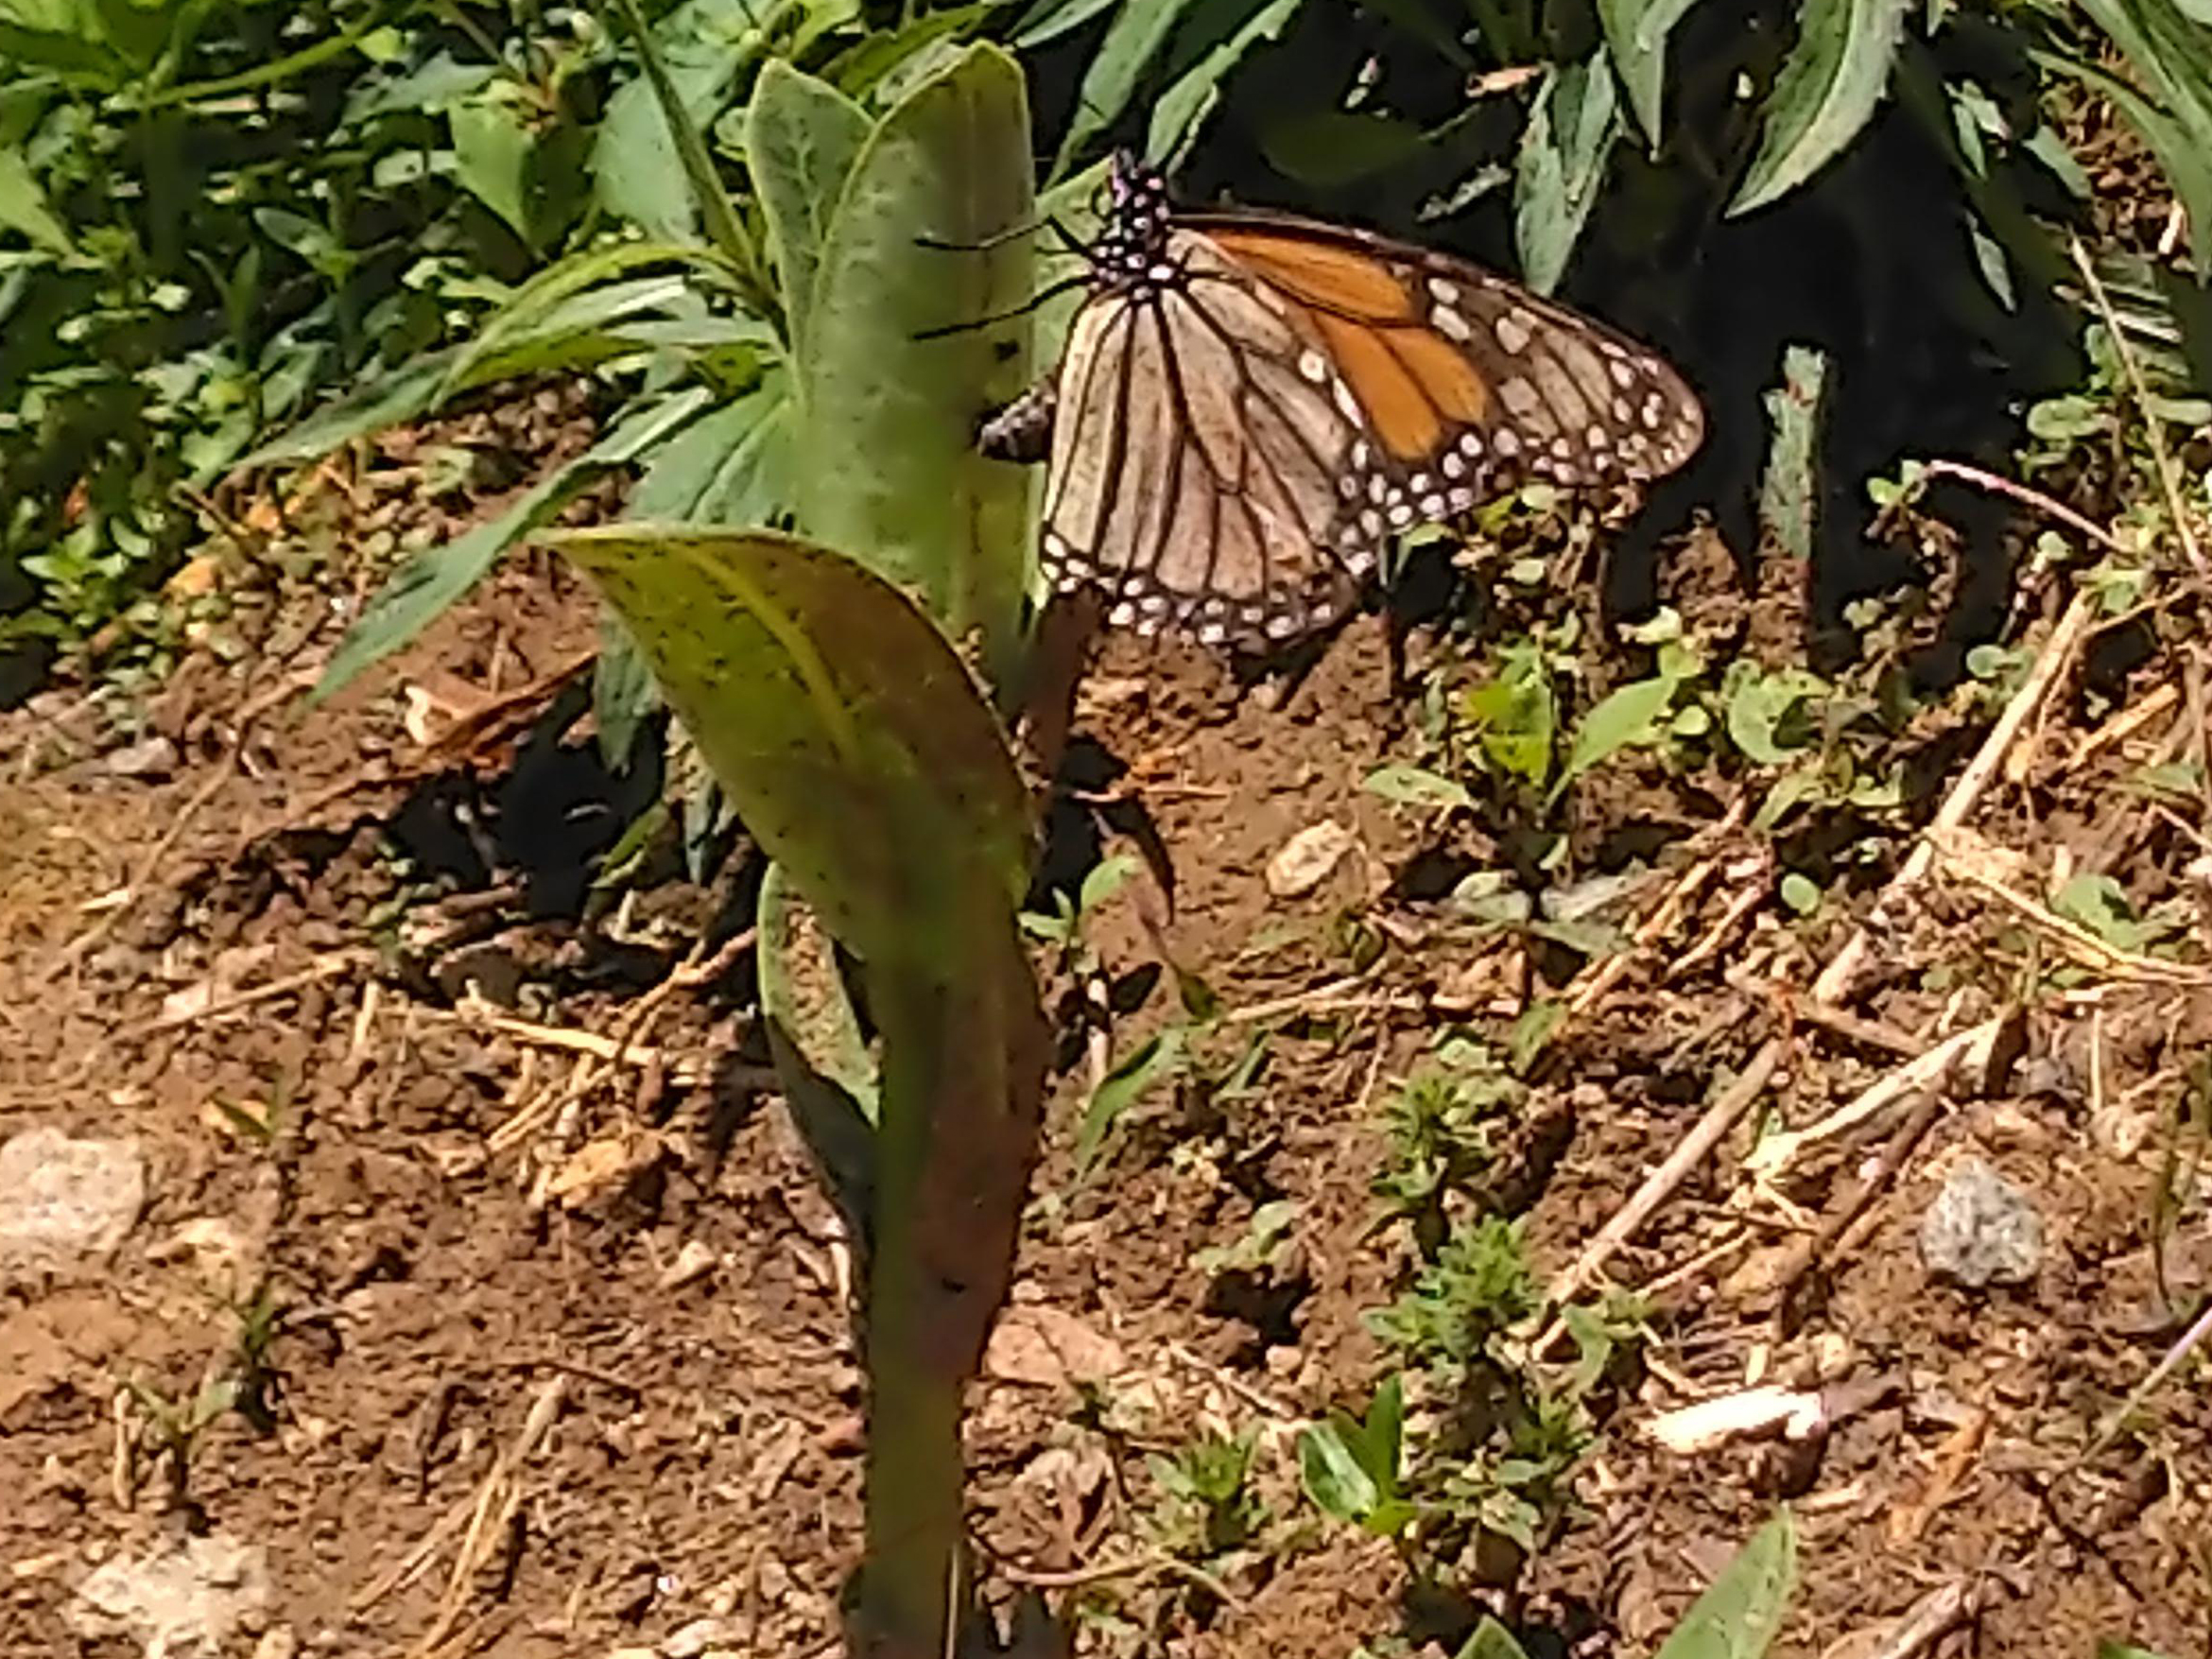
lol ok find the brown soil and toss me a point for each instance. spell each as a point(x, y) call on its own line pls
point(563, 1366)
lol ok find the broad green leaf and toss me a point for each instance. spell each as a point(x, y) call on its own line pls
point(1492, 1640)
point(888, 468)
point(830, 708)
point(802, 137)
point(1789, 492)
point(425, 587)
point(623, 694)
point(1565, 148)
point(1763, 713)
point(2123, 1650)
point(1332, 1472)
point(1185, 108)
point(1413, 785)
point(1156, 1058)
point(1827, 91)
point(861, 757)
point(830, 1079)
point(1138, 34)
point(23, 207)
point(889, 64)
point(1625, 717)
point(700, 48)
point(492, 159)
point(1741, 1610)
point(675, 144)
point(1636, 34)
point(728, 468)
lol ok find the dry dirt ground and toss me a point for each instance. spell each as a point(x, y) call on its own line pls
point(552, 1355)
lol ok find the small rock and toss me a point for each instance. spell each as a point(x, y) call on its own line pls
point(1981, 1229)
point(697, 1638)
point(1306, 858)
point(693, 1261)
point(150, 758)
point(65, 1202)
point(279, 1643)
point(1045, 1348)
point(178, 1599)
point(2119, 1130)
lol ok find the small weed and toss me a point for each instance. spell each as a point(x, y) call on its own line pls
point(1440, 1125)
point(239, 1380)
point(1209, 1505)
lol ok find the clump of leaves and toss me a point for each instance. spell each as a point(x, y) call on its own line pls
point(1209, 1505)
point(1438, 1126)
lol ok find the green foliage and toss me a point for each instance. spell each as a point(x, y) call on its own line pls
point(1476, 1288)
point(1738, 1617)
point(1212, 1507)
point(1352, 1466)
point(1438, 1126)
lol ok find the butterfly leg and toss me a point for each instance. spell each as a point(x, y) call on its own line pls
point(1022, 430)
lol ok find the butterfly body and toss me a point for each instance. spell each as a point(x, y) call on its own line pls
point(1249, 406)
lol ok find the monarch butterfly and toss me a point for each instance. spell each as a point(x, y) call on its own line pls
point(1250, 405)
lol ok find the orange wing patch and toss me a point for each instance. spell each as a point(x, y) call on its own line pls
point(1444, 372)
point(1319, 274)
point(1398, 410)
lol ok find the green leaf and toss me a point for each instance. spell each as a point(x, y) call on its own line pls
point(1332, 1474)
point(730, 468)
point(888, 467)
point(1565, 148)
point(1789, 492)
point(1047, 20)
point(1800, 892)
point(623, 694)
point(1153, 1060)
point(830, 708)
point(1636, 34)
point(1827, 89)
point(1137, 35)
point(2175, 117)
point(638, 159)
point(427, 584)
point(23, 207)
point(1413, 785)
point(830, 1079)
point(2123, 1650)
point(802, 138)
point(1492, 1640)
point(1183, 110)
point(575, 301)
point(491, 151)
point(1623, 718)
point(1764, 718)
point(383, 401)
point(1741, 1610)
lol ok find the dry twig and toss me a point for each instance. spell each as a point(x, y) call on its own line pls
point(1835, 981)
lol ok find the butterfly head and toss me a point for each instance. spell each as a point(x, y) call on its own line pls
point(1135, 207)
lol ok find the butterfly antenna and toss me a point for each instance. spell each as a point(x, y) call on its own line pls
point(1039, 298)
point(997, 240)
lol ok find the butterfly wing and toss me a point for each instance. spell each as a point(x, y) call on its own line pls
point(1463, 375)
point(1200, 451)
point(1235, 440)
